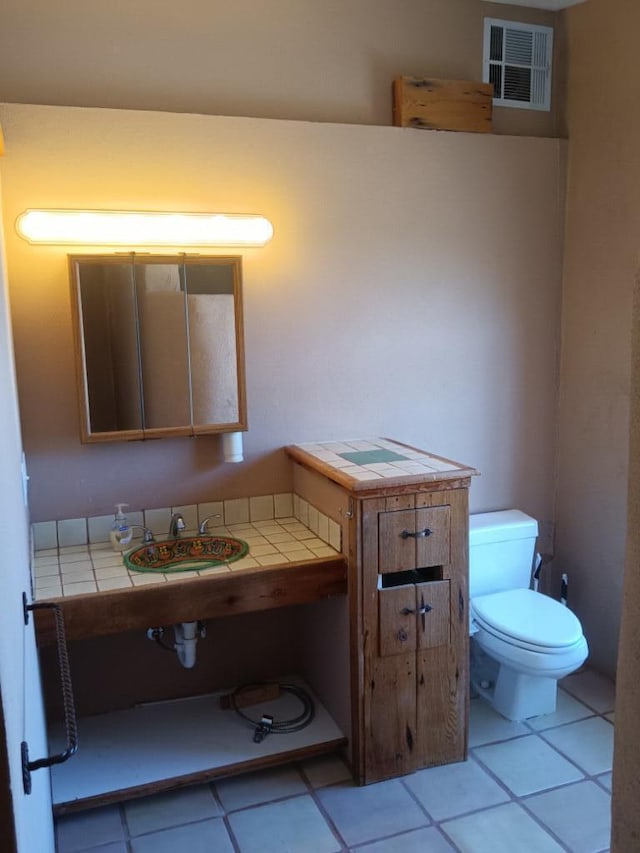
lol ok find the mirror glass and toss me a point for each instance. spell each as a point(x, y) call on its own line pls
point(159, 344)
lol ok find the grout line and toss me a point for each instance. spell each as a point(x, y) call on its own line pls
point(414, 797)
point(320, 806)
point(543, 826)
point(227, 823)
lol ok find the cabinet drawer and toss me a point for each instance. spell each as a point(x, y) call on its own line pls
point(414, 539)
point(411, 617)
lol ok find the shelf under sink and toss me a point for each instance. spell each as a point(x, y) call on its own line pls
point(163, 745)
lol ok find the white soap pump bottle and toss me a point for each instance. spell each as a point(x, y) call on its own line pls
point(121, 533)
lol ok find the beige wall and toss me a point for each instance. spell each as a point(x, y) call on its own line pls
point(601, 261)
point(292, 59)
point(412, 289)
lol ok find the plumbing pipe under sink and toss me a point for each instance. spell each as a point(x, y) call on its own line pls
point(186, 634)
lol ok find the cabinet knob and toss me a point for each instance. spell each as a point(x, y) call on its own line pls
point(419, 534)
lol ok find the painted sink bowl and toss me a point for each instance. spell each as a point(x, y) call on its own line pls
point(185, 555)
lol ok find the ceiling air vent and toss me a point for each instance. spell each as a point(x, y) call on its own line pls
point(517, 61)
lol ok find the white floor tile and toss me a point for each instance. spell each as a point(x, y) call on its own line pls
point(371, 812)
point(88, 829)
point(589, 743)
point(579, 815)
point(454, 789)
point(264, 786)
point(170, 809)
point(504, 829)
point(527, 765)
point(204, 837)
point(593, 689)
point(291, 826)
point(487, 726)
point(427, 840)
point(568, 710)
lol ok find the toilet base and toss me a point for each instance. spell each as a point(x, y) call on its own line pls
point(512, 694)
point(518, 696)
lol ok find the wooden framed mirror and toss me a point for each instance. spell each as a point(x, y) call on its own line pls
point(159, 345)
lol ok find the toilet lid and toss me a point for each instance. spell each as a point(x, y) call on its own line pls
point(528, 617)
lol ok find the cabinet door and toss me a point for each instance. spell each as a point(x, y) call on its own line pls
point(432, 614)
point(397, 620)
point(414, 539)
point(390, 717)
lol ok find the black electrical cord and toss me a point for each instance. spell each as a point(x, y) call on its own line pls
point(281, 727)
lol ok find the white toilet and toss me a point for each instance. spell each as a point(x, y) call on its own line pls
point(522, 641)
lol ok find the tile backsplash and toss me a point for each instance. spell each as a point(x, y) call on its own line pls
point(95, 529)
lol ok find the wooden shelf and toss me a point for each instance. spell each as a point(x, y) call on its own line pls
point(167, 745)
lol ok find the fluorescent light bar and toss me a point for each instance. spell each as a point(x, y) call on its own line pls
point(129, 228)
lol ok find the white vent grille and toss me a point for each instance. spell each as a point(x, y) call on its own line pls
point(517, 62)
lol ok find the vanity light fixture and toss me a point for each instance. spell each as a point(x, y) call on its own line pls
point(133, 228)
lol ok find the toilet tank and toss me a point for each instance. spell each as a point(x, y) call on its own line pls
point(501, 548)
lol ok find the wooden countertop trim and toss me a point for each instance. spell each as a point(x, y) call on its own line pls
point(209, 597)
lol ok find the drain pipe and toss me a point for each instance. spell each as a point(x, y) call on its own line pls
point(186, 634)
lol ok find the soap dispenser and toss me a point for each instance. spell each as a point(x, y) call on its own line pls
point(121, 533)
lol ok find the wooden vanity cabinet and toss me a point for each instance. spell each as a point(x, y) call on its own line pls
point(413, 578)
point(407, 555)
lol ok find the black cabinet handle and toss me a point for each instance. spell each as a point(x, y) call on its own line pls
point(424, 608)
point(70, 722)
point(419, 534)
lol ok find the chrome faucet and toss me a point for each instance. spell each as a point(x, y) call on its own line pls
point(176, 526)
point(202, 529)
point(147, 535)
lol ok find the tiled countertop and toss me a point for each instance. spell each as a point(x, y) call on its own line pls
point(365, 464)
point(85, 569)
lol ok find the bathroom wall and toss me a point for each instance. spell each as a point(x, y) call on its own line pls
point(412, 289)
point(292, 59)
point(601, 264)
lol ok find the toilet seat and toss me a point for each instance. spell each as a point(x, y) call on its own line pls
point(528, 619)
point(517, 627)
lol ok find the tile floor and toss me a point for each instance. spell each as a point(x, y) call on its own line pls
point(533, 787)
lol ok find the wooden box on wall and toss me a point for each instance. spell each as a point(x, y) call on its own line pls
point(442, 104)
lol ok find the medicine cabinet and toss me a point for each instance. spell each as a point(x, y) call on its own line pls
point(159, 345)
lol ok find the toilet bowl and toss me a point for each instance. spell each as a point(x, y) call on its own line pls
point(522, 641)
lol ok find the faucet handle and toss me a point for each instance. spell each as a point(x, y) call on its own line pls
point(177, 524)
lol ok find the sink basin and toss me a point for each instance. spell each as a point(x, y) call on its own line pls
point(185, 555)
